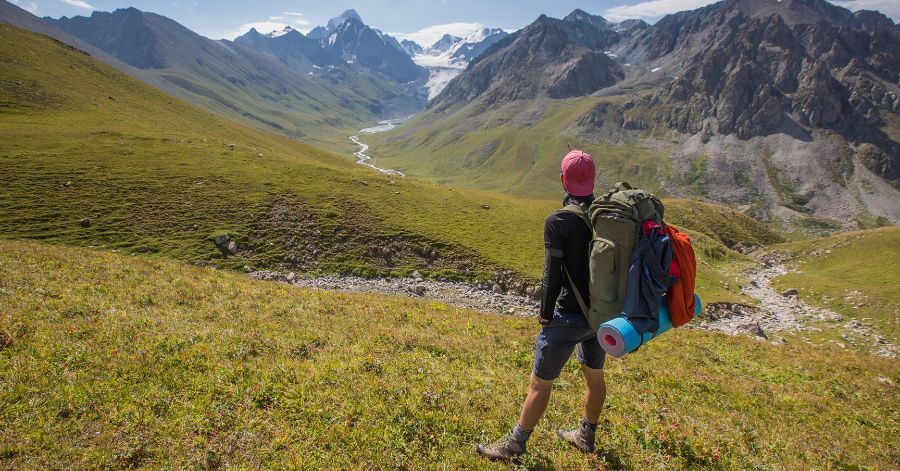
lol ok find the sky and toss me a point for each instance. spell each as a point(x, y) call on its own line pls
point(424, 21)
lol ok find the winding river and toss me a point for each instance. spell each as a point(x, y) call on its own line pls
point(365, 159)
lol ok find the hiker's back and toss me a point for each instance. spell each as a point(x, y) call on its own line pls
point(565, 231)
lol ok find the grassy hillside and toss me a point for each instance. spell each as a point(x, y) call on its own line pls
point(149, 170)
point(110, 361)
point(854, 274)
point(484, 148)
point(160, 177)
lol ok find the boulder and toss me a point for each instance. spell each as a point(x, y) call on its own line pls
point(225, 244)
point(290, 277)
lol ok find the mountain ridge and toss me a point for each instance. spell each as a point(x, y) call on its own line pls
point(715, 91)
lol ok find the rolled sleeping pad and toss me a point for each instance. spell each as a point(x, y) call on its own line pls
point(618, 337)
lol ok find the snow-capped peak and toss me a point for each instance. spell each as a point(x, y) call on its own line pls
point(447, 57)
point(481, 35)
point(337, 21)
point(446, 43)
point(275, 34)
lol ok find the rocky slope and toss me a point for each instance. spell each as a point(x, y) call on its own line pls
point(550, 57)
point(754, 68)
point(357, 43)
point(788, 109)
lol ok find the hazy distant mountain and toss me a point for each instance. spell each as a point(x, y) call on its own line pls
point(339, 20)
point(291, 85)
point(411, 47)
point(593, 20)
point(292, 48)
point(445, 43)
point(447, 57)
point(356, 43)
point(472, 46)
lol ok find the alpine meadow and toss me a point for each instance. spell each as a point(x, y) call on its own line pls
point(318, 245)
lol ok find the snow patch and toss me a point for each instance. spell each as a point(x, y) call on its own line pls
point(438, 80)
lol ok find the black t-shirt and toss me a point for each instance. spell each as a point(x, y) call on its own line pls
point(566, 240)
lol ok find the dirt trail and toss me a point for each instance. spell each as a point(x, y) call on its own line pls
point(449, 292)
point(787, 312)
point(778, 312)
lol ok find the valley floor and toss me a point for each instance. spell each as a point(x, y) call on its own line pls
point(115, 361)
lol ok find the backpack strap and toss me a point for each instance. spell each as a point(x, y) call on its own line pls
point(581, 303)
point(578, 210)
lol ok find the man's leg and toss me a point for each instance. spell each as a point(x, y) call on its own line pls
point(595, 394)
point(554, 346)
point(592, 358)
point(535, 403)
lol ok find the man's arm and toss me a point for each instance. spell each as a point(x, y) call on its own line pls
point(551, 283)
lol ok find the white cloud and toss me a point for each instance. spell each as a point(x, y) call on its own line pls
point(79, 4)
point(655, 9)
point(31, 7)
point(652, 10)
point(430, 35)
point(295, 18)
point(888, 7)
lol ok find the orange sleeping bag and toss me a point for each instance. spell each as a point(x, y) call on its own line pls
point(680, 297)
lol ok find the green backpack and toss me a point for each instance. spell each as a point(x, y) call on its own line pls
point(615, 221)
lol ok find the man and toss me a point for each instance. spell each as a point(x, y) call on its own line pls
point(567, 240)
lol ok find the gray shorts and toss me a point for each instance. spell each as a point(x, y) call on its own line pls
point(557, 340)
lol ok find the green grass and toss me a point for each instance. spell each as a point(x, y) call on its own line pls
point(151, 171)
point(108, 361)
point(854, 274)
point(485, 149)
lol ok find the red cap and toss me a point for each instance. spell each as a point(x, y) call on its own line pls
point(578, 173)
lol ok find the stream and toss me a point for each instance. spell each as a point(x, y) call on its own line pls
point(365, 159)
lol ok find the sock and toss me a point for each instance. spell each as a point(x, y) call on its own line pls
point(588, 425)
point(520, 434)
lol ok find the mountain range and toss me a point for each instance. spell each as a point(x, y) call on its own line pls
point(789, 109)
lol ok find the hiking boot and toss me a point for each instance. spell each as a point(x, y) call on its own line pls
point(506, 449)
point(582, 437)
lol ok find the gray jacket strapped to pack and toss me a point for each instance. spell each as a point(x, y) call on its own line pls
point(648, 279)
